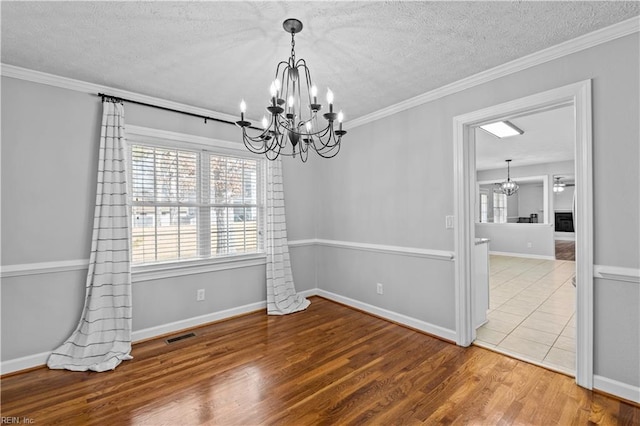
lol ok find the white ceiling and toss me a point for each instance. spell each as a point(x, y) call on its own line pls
point(212, 54)
point(548, 137)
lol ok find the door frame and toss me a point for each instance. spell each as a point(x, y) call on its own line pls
point(579, 96)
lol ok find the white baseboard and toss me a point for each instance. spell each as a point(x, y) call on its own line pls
point(564, 236)
point(308, 293)
point(148, 333)
point(529, 256)
point(24, 363)
point(614, 387)
point(435, 330)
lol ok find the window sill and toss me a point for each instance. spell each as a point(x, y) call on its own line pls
point(191, 267)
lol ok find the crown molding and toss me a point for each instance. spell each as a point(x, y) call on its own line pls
point(26, 74)
point(568, 47)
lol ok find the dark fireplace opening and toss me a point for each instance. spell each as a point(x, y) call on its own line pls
point(564, 222)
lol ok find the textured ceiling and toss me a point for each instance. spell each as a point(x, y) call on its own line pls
point(548, 137)
point(212, 54)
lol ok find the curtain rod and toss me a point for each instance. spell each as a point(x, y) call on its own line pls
point(206, 118)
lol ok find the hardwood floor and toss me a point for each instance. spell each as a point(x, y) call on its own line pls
point(565, 250)
point(327, 365)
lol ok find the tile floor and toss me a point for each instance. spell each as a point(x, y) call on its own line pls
point(531, 311)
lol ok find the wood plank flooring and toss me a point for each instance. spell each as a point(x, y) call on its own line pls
point(565, 250)
point(328, 365)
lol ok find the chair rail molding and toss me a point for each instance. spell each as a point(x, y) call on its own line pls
point(8, 271)
point(617, 273)
point(378, 248)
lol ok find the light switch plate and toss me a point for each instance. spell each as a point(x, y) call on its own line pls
point(448, 222)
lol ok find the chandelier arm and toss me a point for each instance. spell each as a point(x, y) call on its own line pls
point(259, 138)
point(322, 133)
point(329, 144)
point(300, 118)
point(252, 148)
point(303, 65)
point(281, 63)
point(329, 153)
point(282, 73)
point(261, 149)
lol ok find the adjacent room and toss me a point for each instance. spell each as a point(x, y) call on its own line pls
point(296, 213)
point(532, 298)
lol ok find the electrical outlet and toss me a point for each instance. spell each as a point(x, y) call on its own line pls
point(529, 244)
point(200, 295)
point(379, 288)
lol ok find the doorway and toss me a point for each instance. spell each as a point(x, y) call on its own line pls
point(531, 312)
point(578, 97)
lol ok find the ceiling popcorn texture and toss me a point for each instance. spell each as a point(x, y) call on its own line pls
point(213, 54)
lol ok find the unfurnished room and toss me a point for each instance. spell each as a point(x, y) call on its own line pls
point(335, 212)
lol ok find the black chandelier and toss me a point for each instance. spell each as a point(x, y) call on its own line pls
point(509, 187)
point(297, 121)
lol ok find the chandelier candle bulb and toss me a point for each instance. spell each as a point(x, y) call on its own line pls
point(340, 118)
point(274, 93)
point(330, 99)
point(314, 93)
point(243, 109)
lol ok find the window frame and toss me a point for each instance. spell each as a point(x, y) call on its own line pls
point(484, 206)
point(500, 207)
point(137, 135)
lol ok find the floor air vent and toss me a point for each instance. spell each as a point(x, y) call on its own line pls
point(181, 337)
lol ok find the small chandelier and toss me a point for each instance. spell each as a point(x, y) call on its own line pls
point(295, 123)
point(557, 185)
point(509, 187)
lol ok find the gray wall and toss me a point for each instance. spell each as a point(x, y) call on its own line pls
point(530, 200)
point(564, 200)
point(393, 185)
point(515, 238)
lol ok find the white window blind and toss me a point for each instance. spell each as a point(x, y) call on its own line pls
point(484, 207)
point(193, 204)
point(499, 207)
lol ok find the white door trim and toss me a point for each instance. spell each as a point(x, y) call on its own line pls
point(578, 95)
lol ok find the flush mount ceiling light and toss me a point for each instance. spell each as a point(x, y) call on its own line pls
point(294, 121)
point(502, 129)
point(509, 187)
point(557, 185)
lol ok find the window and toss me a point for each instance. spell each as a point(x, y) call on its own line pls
point(499, 207)
point(484, 207)
point(193, 204)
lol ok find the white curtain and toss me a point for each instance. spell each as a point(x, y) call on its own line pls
point(281, 293)
point(102, 339)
